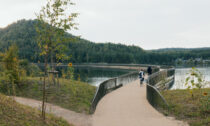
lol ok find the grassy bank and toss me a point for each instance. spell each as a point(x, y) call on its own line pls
point(14, 114)
point(195, 110)
point(73, 95)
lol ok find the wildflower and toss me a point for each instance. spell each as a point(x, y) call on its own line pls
point(205, 94)
point(58, 64)
point(191, 91)
point(45, 47)
point(14, 59)
point(70, 64)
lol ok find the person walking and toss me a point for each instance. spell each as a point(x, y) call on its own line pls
point(149, 70)
point(141, 77)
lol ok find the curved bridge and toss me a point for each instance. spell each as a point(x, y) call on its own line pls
point(128, 106)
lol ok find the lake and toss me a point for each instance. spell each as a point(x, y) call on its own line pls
point(92, 75)
point(95, 76)
point(181, 73)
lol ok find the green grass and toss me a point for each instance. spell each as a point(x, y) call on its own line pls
point(191, 109)
point(14, 114)
point(73, 95)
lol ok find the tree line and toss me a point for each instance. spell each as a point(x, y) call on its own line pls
point(23, 34)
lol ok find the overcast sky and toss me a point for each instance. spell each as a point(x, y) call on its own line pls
point(150, 24)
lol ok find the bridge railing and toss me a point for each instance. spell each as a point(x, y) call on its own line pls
point(114, 83)
point(110, 85)
point(154, 96)
point(160, 75)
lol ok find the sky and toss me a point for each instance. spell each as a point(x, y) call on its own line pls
point(150, 24)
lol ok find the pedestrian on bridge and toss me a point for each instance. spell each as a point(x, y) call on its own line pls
point(149, 70)
point(141, 77)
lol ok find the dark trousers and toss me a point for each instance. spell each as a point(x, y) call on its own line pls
point(141, 81)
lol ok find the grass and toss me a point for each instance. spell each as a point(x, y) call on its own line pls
point(14, 114)
point(195, 110)
point(73, 95)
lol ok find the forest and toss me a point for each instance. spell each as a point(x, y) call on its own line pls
point(23, 34)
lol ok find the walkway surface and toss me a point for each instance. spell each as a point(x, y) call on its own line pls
point(127, 106)
point(70, 116)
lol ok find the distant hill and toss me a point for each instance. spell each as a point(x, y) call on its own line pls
point(23, 34)
point(180, 49)
point(14, 114)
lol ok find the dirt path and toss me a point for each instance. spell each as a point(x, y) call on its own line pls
point(72, 117)
point(128, 106)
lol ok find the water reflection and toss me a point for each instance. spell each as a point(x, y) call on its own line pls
point(181, 73)
point(95, 76)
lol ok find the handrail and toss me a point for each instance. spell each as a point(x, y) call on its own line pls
point(155, 102)
point(110, 85)
point(154, 97)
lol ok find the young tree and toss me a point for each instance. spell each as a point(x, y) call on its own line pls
point(11, 66)
point(53, 22)
point(194, 80)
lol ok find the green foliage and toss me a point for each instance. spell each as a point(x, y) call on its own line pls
point(14, 71)
point(30, 69)
point(14, 114)
point(194, 80)
point(23, 34)
point(53, 22)
point(34, 71)
point(73, 95)
point(205, 103)
point(182, 106)
point(70, 73)
point(11, 63)
point(1, 69)
point(11, 69)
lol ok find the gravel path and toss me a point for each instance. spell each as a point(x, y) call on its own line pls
point(71, 117)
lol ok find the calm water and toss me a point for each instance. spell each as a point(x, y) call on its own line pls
point(181, 73)
point(95, 76)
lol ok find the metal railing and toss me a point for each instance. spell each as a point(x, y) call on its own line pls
point(110, 85)
point(154, 97)
point(160, 75)
point(114, 83)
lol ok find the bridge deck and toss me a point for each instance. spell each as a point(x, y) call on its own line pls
point(127, 106)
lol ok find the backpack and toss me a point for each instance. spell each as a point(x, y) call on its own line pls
point(140, 74)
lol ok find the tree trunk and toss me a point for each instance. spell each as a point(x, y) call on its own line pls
point(52, 68)
point(44, 85)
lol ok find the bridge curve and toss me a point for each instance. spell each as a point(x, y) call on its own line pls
point(128, 106)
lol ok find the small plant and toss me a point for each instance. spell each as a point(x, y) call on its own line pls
point(194, 80)
point(78, 78)
point(205, 103)
point(11, 69)
point(70, 71)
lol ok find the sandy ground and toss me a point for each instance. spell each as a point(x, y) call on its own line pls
point(71, 117)
point(128, 106)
